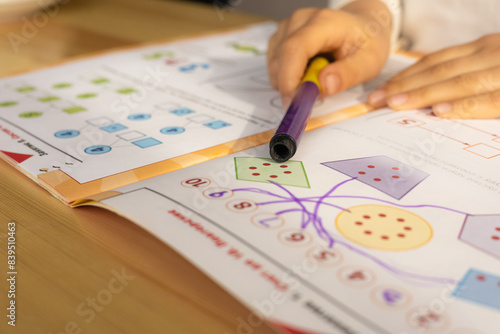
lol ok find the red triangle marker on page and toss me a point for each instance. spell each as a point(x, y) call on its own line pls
point(17, 157)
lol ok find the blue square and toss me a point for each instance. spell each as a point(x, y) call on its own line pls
point(146, 142)
point(479, 287)
point(217, 124)
point(113, 127)
point(182, 111)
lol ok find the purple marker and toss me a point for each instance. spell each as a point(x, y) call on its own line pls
point(284, 143)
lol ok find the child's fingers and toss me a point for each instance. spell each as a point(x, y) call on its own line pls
point(474, 107)
point(436, 58)
point(461, 86)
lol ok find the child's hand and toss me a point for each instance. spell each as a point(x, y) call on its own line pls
point(458, 82)
point(358, 37)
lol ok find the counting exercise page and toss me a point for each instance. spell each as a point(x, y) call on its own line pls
point(386, 223)
point(111, 113)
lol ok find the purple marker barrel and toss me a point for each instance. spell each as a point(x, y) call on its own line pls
point(284, 143)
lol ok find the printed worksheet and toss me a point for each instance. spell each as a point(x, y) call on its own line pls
point(114, 112)
point(386, 223)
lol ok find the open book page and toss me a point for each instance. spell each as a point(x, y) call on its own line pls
point(386, 223)
point(98, 123)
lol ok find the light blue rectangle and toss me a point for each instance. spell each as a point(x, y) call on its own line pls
point(146, 142)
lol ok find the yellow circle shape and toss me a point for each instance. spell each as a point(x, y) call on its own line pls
point(383, 227)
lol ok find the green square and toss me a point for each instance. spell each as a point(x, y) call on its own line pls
point(74, 110)
point(290, 173)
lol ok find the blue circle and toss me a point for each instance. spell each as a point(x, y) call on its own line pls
point(172, 130)
point(139, 117)
point(98, 149)
point(67, 133)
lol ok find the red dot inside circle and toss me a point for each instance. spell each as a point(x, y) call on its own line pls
point(273, 176)
point(395, 168)
point(401, 235)
point(395, 177)
point(400, 220)
point(255, 174)
point(495, 237)
point(252, 167)
point(361, 173)
point(384, 237)
point(377, 179)
point(480, 278)
point(358, 223)
point(366, 217)
point(266, 164)
point(368, 232)
point(283, 166)
point(498, 229)
point(408, 228)
point(370, 166)
point(287, 172)
point(382, 215)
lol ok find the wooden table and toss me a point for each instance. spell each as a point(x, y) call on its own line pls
point(87, 270)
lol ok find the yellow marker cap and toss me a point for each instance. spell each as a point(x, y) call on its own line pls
point(313, 70)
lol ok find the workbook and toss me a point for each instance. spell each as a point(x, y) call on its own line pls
point(382, 222)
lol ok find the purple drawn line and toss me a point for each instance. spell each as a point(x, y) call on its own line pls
point(322, 233)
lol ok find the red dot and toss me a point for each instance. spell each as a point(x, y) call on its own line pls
point(368, 232)
point(401, 235)
point(395, 177)
point(361, 173)
point(384, 237)
point(370, 166)
point(266, 164)
point(252, 167)
point(382, 215)
point(273, 176)
point(284, 166)
point(495, 237)
point(408, 228)
point(366, 217)
point(498, 229)
point(358, 223)
point(480, 278)
point(400, 220)
point(287, 172)
point(395, 168)
point(377, 179)
point(255, 174)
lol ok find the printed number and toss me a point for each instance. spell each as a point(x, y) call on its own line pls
point(198, 182)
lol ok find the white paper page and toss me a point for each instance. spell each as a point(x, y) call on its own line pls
point(108, 114)
point(387, 223)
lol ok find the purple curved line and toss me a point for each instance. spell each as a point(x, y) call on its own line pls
point(320, 229)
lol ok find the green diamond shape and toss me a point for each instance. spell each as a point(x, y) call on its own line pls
point(26, 89)
point(73, 110)
point(100, 81)
point(48, 98)
point(290, 173)
point(61, 85)
point(8, 103)
point(126, 91)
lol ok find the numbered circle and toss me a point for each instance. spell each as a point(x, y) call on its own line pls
point(196, 182)
point(97, 149)
point(356, 276)
point(426, 320)
point(241, 205)
point(172, 130)
point(67, 133)
point(268, 220)
point(218, 193)
point(325, 257)
point(295, 238)
point(139, 117)
point(31, 114)
point(391, 297)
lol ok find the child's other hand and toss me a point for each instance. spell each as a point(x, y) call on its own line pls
point(458, 82)
point(358, 37)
